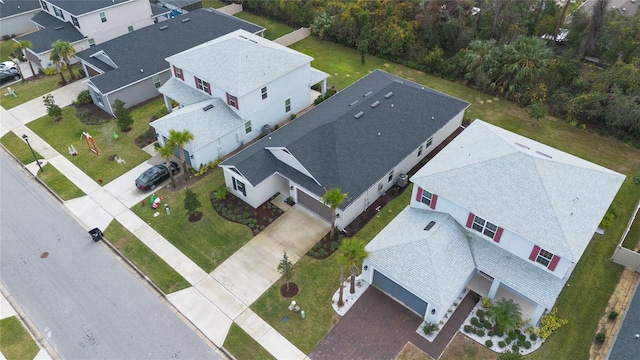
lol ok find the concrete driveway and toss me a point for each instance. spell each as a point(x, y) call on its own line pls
point(249, 272)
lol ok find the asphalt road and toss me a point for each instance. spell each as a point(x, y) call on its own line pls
point(85, 301)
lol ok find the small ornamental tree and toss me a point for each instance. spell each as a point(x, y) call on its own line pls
point(191, 202)
point(123, 115)
point(53, 109)
point(285, 268)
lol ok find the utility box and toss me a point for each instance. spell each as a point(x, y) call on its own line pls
point(403, 180)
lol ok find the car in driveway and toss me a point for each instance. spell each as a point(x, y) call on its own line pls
point(9, 75)
point(6, 65)
point(155, 175)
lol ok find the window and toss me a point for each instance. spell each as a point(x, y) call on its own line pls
point(156, 81)
point(130, 28)
point(239, 186)
point(58, 13)
point(247, 127)
point(484, 227)
point(203, 85)
point(390, 177)
point(103, 17)
point(99, 99)
point(287, 105)
point(420, 151)
point(264, 93)
point(426, 197)
point(92, 42)
point(544, 257)
point(75, 22)
point(177, 72)
point(232, 100)
point(429, 142)
point(44, 5)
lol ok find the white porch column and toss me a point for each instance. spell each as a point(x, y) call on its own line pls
point(494, 289)
point(535, 318)
point(167, 102)
point(324, 87)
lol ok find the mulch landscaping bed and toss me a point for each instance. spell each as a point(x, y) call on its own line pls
point(236, 210)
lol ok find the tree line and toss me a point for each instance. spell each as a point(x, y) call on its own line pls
point(496, 46)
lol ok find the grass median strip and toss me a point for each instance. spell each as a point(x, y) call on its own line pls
point(243, 346)
point(165, 277)
point(57, 182)
point(15, 342)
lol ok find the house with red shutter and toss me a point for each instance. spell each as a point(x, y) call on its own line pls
point(496, 213)
point(232, 90)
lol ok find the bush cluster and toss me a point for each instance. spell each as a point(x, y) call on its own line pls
point(550, 323)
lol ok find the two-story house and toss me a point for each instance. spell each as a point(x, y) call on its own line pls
point(15, 17)
point(132, 67)
point(230, 89)
point(493, 212)
point(83, 24)
point(363, 140)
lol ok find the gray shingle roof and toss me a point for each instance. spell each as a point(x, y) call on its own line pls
point(256, 62)
point(352, 154)
point(206, 126)
point(157, 10)
point(432, 264)
point(14, 7)
point(79, 7)
point(147, 48)
point(183, 94)
point(543, 194)
point(54, 29)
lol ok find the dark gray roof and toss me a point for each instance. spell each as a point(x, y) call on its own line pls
point(627, 344)
point(54, 29)
point(79, 7)
point(147, 48)
point(15, 7)
point(351, 153)
point(158, 10)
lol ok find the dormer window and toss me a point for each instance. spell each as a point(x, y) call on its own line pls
point(58, 12)
point(484, 227)
point(75, 22)
point(203, 85)
point(44, 5)
point(177, 72)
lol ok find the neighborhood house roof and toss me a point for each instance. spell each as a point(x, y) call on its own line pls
point(206, 125)
point(256, 62)
point(10, 8)
point(54, 29)
point(80, 7)
point(141, 53)
point(543, 194)
point(421, 260)
point(352, 152)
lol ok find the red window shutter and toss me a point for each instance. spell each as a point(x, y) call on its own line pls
point(470, 220)
point(209, 89)
point(237, 104)
point(534, 253)
point(175, 72)
point(228, 100)
point(195, 78)
point(554, 262)
point(419, 195)
point(498, 235)
point(434, 200)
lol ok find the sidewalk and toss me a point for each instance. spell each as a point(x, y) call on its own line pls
point(208, 304)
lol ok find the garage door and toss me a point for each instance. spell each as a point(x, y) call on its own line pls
point(314, 205)
point(399, 293)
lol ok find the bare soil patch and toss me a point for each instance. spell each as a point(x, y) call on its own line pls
point(195, 217)
point(289, 290)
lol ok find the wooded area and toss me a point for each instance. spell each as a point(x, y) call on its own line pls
point(496, 46)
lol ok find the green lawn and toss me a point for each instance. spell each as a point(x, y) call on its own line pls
point(15, 342)
point(273, 30)
point(212, 4)
point(31, 89)
point(165, 277)
point(6, 48)
point(60, 135)
point(207, 242)
point(243, 346)
point(317, 280)
point(59, 183)
point(19, 148)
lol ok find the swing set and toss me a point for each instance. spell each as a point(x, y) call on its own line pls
point(88, 139)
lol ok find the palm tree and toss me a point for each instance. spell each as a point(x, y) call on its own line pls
point(479, 60)
point(57, 61)
point(180, 139)
point(506, 314)
point(166, 152)
point(22, 45)
point(64, 50)
point(351, 254)
point(333, 198)
point(524, 62)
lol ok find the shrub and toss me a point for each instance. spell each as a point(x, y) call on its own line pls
point(481, 313)
point(334, 246)
point(322, 252)
point(429, 328)
point(468, 329)
point(221, 192)
point(508, 340)
point(613, 315)
point(487, 324)
point(515, 348)
point(486, 303)
point(502, 344)
point(512, 335)
point(491, 333)
point(254, 222)
point(84, 98)
point(601, 337)
point(550, 323)
point(607, 220)
point(527, 345)
point(53, 109)
point(480, 332)
point(488, 343)
point(521, 337)
point(533, 336)
point(499, 333)
point(245, 215)
point(475, 322)
point(50, 71)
